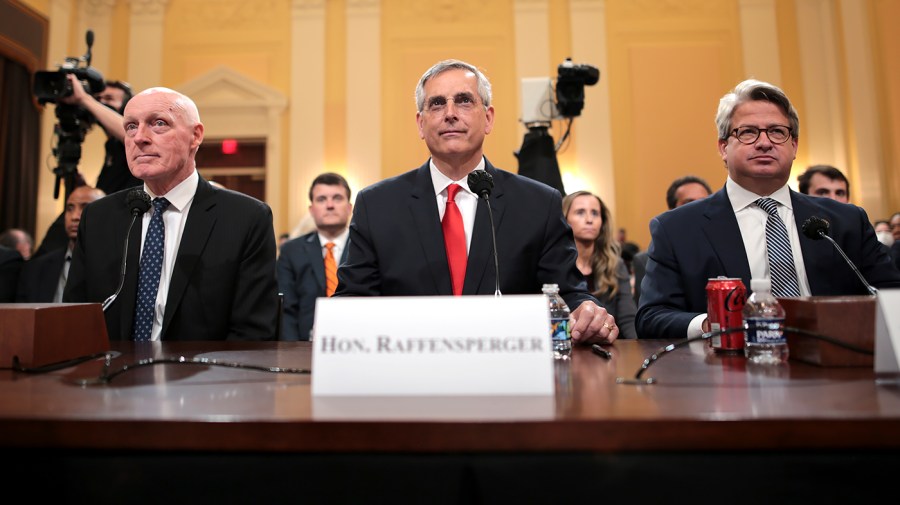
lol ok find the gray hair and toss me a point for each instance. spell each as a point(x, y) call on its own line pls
point(753, 90)
point(484, 85)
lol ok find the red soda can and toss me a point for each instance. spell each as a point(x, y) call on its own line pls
point(725, 297)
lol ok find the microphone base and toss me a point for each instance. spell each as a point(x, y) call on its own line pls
point(38, 334)
point(848, 319)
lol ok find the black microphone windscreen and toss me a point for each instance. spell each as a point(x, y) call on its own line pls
point(480, 182)
point(89, 37)
point(138, 201)
point(815, 227)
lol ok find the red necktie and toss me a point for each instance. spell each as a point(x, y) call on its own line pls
point(331, 280)
point(454, 240)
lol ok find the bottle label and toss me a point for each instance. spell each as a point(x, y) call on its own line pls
point(761, 330)
point(559, 329)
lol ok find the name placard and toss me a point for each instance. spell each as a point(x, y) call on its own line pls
point(887, 333)
point(432, 346)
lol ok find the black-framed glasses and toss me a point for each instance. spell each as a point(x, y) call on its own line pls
point(777, 134)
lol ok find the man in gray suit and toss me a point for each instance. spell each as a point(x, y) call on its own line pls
point(301, 266)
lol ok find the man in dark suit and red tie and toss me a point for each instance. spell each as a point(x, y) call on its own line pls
point(734, 232)
point(307, 265)
point(406, 239)
point(200, 261)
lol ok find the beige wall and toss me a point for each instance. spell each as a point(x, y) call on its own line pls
point(348, 69)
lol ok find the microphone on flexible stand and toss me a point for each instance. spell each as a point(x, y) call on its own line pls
point(816, 228)
point(481, 183)
point(138, 202)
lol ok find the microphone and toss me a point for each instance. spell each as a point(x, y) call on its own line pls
point(138, 202)
point(817, 228)
point(481, 183)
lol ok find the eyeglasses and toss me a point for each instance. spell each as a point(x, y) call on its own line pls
point(749, 134)
point(463, 101)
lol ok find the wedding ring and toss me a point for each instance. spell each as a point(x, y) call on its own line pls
point(608, 326)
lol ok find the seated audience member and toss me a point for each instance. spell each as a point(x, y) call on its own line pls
point(682, 191)
point(825, 181)
point(726, 233)
point(43, 279)
point(895, 231)
point(201, 260)
point(56, 237)
point(10, 266)
point(19, 240)
point(307, 267)
point(883, 232)
point(599, 259)
point(397, 233)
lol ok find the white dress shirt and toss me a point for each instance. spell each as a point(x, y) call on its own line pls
point(340, 242)
point(174, 219)
point(465, 199)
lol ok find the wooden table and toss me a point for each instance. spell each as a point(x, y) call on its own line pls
point(709, 425)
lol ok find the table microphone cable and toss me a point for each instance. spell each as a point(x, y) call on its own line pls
point(705, 336)
point(106, 376)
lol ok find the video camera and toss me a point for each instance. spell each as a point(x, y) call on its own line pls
point(73, 121)
point(570, 82)
point(538, 105)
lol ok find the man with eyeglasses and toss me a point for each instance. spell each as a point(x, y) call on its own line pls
point(751, 228)
point(426, 233)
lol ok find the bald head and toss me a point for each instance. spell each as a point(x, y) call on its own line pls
point(162, 134)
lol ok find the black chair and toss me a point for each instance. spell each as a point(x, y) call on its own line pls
point(280, 313)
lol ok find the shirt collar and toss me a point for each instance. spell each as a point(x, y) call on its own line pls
point(441, 181)
point(340, 241)
point(742, 198)
point(182, 194)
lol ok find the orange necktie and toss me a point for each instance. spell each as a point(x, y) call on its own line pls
point(454, 240)
point(331, 281)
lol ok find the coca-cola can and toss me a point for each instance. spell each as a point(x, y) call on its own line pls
point(725, 297)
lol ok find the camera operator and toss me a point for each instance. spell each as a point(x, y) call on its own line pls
point(106, 108)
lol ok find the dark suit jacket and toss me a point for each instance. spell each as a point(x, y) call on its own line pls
point(301, 277)
point(397, 246)
point(40, 277)
point(639, 265)
point(700, 240)
point(223, 283)
point(10, 267)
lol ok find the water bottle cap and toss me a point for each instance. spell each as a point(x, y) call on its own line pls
point(760, 285)
point(550, 288)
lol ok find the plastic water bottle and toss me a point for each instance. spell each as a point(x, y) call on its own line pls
point(560, 334)
point(764, 339)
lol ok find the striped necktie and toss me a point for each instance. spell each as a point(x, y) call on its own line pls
point(331, 280)
point(781, 259)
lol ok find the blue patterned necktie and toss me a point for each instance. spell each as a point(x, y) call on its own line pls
point(781, 259)
point(148, 277)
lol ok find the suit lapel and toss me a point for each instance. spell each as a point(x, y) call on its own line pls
point(314, 252)
point(200, 222)
point(481, 249)
point(427, 223)
point(127, 298)
point(813, 253)
point(724, 237)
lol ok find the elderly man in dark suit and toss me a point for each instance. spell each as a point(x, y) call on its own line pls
point(408, 236)
point(726, 233)
point(304, 262)
point(200, 263)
